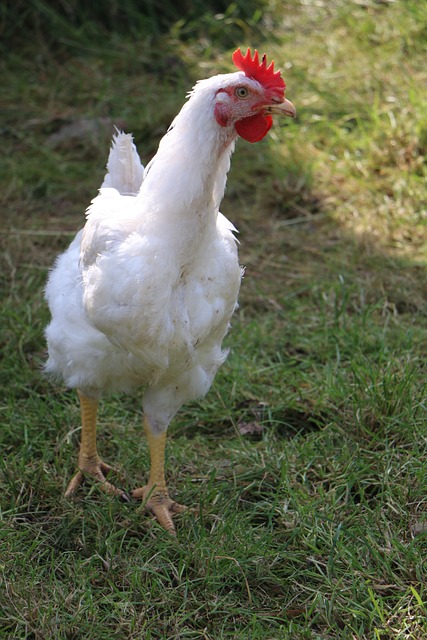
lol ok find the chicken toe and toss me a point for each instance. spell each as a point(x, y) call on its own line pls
point(97, 470)
point(160, 505)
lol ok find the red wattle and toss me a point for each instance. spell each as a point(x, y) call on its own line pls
point(254, 128)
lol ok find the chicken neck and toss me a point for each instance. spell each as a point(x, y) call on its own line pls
point(185, 182)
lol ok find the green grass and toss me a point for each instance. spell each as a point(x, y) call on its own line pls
point(307, 459)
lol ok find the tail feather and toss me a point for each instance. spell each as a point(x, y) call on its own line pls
point(124, 169)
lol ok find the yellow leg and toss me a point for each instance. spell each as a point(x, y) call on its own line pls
point(155, 493)
point(89, 462)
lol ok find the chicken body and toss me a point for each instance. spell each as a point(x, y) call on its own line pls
point(143, 297)
point(145, 292)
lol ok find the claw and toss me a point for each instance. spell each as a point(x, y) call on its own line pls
point(160, 505)
point(96, 470)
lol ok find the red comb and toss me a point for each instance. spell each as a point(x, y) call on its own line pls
point(259, 71)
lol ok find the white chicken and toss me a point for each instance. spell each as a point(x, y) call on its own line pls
point(143, 297)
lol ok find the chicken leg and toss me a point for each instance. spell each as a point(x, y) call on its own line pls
point(89, 462)
point(155, 493)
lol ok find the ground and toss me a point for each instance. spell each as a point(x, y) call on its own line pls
point(306, 461)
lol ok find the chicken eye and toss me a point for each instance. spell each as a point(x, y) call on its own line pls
point(242, 92)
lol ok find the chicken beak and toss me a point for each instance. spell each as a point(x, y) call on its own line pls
point(285, 108)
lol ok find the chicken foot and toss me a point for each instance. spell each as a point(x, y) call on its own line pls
point(89, 462)
point(155, 494)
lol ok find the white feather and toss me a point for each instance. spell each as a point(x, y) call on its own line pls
point(124, 169)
